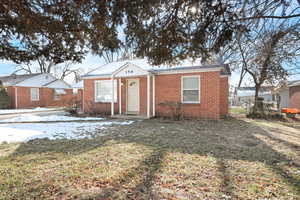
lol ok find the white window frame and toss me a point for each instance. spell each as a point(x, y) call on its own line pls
point(199, 89)
point(56, 97)
point(31, 94)
point(95, 91)
point(75, 91)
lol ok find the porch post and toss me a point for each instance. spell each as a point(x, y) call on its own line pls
point(148, 95)
point(112, 96)
point(120, 96)
point(153, 95)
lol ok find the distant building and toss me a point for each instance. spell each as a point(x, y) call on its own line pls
point(245, 95)
point(289, 95)
point(36, 90)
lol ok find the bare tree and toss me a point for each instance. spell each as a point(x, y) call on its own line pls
point(60, 71)
point(64, 70)
point(267, 55)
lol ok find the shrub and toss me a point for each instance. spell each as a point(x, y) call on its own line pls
point(4, 99)
point(74, 107)
point(175, 108)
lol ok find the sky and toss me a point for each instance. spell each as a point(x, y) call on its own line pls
point(90, 62)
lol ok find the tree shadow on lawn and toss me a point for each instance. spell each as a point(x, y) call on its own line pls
point(224, 140)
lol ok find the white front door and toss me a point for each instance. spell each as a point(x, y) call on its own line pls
point(133, 96)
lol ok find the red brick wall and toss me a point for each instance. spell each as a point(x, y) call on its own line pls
point(168, 88)
point(24, 99)
point(64, 100)
point(224, 95)
point(294, 100)
point(213, 93)
point(90, 106)
point(46, 98)
point(11, 94)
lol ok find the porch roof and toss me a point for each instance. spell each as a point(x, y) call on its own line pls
point(111, 68)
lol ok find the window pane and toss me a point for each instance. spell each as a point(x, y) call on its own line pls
point(191, 96)
point(103, 91)
point(191, 83)
point(34, 94)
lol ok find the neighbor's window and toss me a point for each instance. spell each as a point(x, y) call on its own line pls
point(191, 89)
point(34, 93)
point(56, 96)
point(57, 93)
point(103, 91)
point(75, 91)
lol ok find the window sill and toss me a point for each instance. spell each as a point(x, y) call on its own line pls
point(104, 102)
point(190, 102)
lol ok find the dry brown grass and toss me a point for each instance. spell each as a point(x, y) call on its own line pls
point(158, 159)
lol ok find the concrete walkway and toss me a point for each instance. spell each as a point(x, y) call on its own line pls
point(59, 111)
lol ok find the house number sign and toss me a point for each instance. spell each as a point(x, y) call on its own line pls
point(129, 71)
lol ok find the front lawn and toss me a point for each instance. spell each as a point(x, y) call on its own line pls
point(155, 159)
point(237, 110)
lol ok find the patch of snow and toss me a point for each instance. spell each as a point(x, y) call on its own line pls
point(13, 111)
point(69, 130)
point(37, 118)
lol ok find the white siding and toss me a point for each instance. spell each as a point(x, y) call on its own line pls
point(284, 98)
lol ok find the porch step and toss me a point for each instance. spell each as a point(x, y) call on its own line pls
point(129, 117)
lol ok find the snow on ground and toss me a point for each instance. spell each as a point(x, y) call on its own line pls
point(53, 118)
point(13, 111)
point(66, 130)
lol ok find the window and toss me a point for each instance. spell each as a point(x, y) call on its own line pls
point(56, 97)
point(103, 91)
point(34, 93)
point(57, 93)
point(190, 89)
point(75, 91)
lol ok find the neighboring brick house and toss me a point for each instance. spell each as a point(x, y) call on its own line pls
point(146, 90)
point(37, 90)
point(289, 95)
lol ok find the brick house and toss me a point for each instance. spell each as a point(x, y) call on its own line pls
point(142, 89)
point(289, 95)
point(37, 90)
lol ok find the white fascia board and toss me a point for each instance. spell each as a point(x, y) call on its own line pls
point(224, 76)
point(170, 71)
point(185, 71)
point(96, 76)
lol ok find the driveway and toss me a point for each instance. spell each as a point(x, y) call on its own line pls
point(7, 115)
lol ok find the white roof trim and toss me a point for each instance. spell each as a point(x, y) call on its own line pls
point(223, 76)
point(162, 73)
point(294, 84)
point(187, 71)
point(97, 77)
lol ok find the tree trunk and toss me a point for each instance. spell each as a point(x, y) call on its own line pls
point(255, 107)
